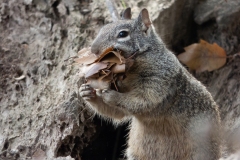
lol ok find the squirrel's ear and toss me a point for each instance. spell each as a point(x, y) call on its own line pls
point(144, 18)
point(126, 14)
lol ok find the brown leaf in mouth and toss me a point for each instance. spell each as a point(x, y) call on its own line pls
point(104, 70)
point(96, 67)
point(118, 68)
point(107, 56)
point(106, 51)
point(113, 57)
point(98, 84)
point(106, 76)
point(86, 60)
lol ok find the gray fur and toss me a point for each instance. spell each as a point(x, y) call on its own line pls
point(173, 116)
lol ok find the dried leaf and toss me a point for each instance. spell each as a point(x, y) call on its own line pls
point(98, 84)
point(110, 64)
point(107, 56)
point(106, 77)
point(85, 51)
point(86, 60)
point(104, 70)
point(96, 67)
point(112, 56)
point(106, 51)
point(203, 56)
point(118, 68)
point(86, 57)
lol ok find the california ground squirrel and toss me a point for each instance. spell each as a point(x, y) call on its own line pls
point(173, 116)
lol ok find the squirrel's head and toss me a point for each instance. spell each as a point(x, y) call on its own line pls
point(126, 35)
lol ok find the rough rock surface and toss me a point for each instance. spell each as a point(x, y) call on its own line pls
point(41, 114)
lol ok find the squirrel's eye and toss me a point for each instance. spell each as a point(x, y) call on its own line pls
point(122, 34)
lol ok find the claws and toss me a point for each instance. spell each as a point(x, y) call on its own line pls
point(85, 87)
point(87, 91)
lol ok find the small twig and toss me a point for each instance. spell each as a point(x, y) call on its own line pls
point(114, 82)
point(113, 9)
point(104, 72)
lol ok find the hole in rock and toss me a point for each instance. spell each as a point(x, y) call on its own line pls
point(109, 142)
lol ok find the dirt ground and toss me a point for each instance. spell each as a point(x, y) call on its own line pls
point(41, 113)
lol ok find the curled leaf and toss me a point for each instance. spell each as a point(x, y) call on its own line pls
point(86, 60)
point(99, 84)
point(112, 56)
point(203, 56)
point(96, 67)
point(85, 56)
point(104, 70)
point(84, 51)
point(118, 68)
point(106, 51)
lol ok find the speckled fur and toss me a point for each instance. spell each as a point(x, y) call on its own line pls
point(173, 116)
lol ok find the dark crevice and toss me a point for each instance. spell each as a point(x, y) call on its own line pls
point(65, 149)
point(55, 10)
point(77, 148)
point(62, 127)
point(109, 142)
point(6, 145)
point(190, 35)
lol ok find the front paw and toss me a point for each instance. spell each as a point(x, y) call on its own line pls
point(110, 97)
point(87, 92)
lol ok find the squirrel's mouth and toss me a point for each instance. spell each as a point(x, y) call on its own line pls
point(106, 51)
point(105, 69)
point(121, 52)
